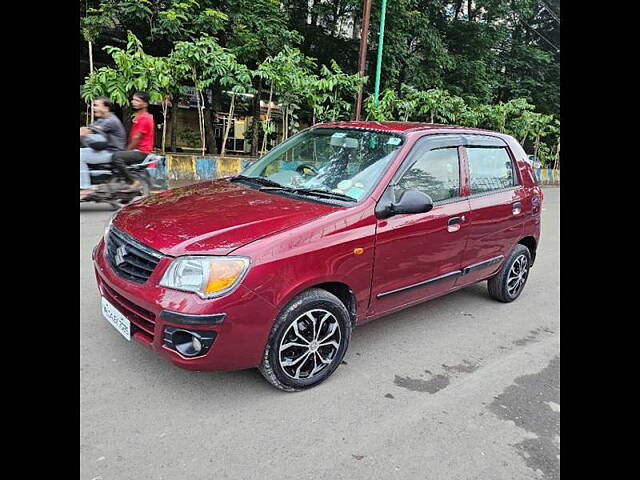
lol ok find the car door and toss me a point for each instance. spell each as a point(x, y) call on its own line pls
point(496, 199)
point(418, 256)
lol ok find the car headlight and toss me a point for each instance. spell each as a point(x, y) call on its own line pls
point(209, 277)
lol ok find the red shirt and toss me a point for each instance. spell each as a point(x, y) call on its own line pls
point(143, 123)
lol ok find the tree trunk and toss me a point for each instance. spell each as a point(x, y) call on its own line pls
point(284, 123)
point(287, 113)
point(165, 107)
point(458, 8)
point(91, 71)
point(264, 140)
point(126, 117)
point(226, 130)
point(200, 120)
point(470, 10)
point(210, 132)
point(174, 121)
point(255, 138)
point(557, 162)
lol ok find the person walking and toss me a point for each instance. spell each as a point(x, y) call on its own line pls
point(141, 139)
point(108, 125)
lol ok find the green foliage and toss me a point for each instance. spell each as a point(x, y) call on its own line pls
point(332, 94)
point(515, 117)
point(383, 110)
point(484, 63)
point(134, 70)
point(258, 29)
point(188, 137)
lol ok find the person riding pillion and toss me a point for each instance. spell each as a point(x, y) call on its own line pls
point(141, 139)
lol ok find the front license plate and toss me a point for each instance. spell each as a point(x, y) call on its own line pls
point(115, 318)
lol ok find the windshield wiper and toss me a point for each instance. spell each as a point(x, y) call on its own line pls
point(258, 180)
point(310, 191)
point(324, 193)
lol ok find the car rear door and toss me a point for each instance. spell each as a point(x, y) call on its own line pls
point(418, 256)
point(496, 201)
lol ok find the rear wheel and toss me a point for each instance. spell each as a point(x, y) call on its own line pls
point(508, 284)
point(307, 342)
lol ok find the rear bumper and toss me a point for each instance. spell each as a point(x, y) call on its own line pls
point(240, 336)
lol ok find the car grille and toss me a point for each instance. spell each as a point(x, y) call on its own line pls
point(129, 258)
point(141, 320)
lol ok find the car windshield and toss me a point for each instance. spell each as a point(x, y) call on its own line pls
point(345, 162)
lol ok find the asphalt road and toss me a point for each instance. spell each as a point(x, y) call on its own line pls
point(461, 387)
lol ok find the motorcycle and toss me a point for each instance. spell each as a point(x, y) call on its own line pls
point(112, 187)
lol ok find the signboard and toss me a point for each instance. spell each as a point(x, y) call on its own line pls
point(190, 93)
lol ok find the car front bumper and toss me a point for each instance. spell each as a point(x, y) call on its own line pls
point(240, 321)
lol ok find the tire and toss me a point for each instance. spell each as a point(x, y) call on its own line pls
point(281, 367)
point(502, 287)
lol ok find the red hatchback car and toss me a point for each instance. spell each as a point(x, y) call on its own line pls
point(339, 225)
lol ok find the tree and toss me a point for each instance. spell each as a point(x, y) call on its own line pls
point(134, 71)
point(287, 75)
point(383, 110)
point(238, 80)
point(203, 62)
point(337, 90)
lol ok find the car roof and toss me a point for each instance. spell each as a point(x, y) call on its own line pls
point(402, 127)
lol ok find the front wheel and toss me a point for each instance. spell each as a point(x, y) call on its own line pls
point(307, 342)
point(508, 284)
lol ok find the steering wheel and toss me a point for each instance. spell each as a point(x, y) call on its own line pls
point(301, 169)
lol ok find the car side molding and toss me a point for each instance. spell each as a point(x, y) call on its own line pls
point(455, 273)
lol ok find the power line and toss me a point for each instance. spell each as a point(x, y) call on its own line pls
point(551, 12)
point(540, 35)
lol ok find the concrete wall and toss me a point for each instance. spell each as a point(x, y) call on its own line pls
point(175, 168)
point(548, 176)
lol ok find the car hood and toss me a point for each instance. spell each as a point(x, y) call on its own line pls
point(213, 217)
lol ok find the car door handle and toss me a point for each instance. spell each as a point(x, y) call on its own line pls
point(516, 208)
point(455, 223)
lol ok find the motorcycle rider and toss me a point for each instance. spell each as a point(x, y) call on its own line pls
point(111, 127)
point(141, 139)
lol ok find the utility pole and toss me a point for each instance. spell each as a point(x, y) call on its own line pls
point(380, 44)
point(364, 34)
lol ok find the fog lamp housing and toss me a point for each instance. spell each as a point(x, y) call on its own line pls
point(188, 343)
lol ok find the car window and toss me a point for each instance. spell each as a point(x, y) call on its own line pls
point(490, 168)
point(436, 173)
point(339, 160)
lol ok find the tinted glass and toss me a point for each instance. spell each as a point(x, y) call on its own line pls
point(490, 168)
point(436, 173)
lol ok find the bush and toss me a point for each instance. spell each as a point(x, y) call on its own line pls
point(187, 137)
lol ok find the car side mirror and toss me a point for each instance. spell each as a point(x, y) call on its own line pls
point(411, 201)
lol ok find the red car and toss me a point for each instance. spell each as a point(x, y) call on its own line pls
point(339, 225)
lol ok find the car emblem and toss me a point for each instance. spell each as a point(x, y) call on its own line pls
point(120, 253)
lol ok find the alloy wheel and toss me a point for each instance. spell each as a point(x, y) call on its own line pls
point(310, 344)
point(517, 275)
